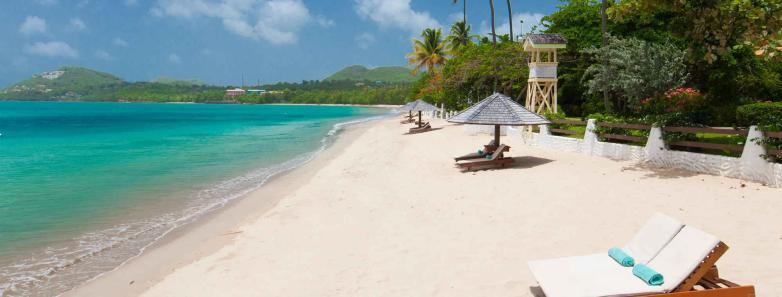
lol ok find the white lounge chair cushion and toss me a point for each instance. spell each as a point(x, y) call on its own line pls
point(598, 275)
point(587, 276)
point(683, 255)
point(658, 231)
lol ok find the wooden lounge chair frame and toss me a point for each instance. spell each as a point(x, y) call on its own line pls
point(424, 128)
point(707, 277)
point(487, 149)
point(497, 159)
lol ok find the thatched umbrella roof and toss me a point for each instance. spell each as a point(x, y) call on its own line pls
point(498, 109)
point(419, 105)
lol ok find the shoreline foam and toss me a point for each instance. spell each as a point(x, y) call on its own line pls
point(386, 214)
point(46, 272)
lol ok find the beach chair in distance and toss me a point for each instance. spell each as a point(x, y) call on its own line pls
point(496, 159)
point(424, 128)
point(487, 149)
point(687, 264)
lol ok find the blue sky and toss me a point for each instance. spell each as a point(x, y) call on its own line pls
point(219, 40)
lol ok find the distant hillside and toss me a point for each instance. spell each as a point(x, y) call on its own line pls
point(68, 82)
point(178, 82)
point(390, 74)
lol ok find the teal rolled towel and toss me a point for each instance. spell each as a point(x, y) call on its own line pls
point(480, 152)
point(621, 257)
point(648, 275)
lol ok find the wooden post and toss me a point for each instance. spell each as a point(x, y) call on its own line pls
point(497, 135)
point(419, 119)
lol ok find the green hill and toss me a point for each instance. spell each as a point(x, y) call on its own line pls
point(389, 74)
point(178, 82)
point(68, 82)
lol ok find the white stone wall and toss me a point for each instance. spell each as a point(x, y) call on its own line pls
point(750, 166)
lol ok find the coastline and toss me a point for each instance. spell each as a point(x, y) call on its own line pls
point(383, 213)
point(213, 230)
point(388, 106)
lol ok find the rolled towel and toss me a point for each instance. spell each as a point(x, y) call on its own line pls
point(621, 257)
point(480, 152)
point(648, 275)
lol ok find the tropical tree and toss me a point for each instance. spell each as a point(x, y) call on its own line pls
point(429, 52)
point(636, 70)
point(460, 38)
point(510, 20)
point(714, 28)
point(493, 24)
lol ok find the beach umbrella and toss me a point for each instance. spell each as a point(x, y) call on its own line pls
point(498, 110)
point(406, 107)
point(419, 106)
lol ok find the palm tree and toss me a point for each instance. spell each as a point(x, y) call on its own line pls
point(493, 29)
point(464, 11)
point(510, 21)
point(428, 53)
point(604, 29)
point(460, 37)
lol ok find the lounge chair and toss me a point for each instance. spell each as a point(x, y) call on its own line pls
point(487, 149)
point(493, 160)
point(407, 121)
point(424, 128)
point(686, 263)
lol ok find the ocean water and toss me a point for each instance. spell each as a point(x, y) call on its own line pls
point(86, 186)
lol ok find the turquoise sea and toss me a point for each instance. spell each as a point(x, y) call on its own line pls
point(86, 186)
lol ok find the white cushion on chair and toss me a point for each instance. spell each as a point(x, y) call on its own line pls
point(587, 276)
point(658, 231)
point(683, 255)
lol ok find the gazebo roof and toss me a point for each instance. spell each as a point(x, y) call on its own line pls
point(498, 109)
point(538, 41)
point(418, 105)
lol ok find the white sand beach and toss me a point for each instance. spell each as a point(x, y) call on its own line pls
point(386, 214)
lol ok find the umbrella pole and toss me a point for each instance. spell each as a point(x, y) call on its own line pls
point(497, 135)
point(419, 119)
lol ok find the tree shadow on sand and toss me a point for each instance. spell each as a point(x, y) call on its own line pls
point(518, 163)
point(651, 171)
point(430, 130)
point(536, 291)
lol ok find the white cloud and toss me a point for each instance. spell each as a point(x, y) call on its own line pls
point(33, 25)
point(76, 24)
point(51, 49)
point(174, 58)
point(103, 55)
point(530, 20)
point(455, 17)
point(119, 42)
point(275, 21)
point(324, 22)
point(395, 14)
point(364, 40)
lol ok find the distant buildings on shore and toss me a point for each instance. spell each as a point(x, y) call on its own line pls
point(239, 91)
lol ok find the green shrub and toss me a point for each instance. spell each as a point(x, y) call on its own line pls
point(768, 117)
point(599, 130)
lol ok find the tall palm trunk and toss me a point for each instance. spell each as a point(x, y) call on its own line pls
point(604, 30)
point(510, 21)
point(464, 11)
point(493, 29)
